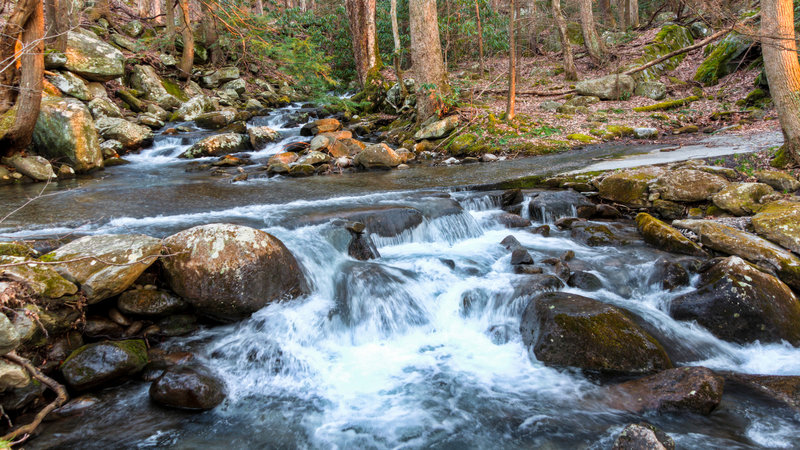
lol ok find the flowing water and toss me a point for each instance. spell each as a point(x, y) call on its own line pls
point(419, 348)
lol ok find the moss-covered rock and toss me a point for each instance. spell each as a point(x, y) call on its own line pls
point(41, 279)
point(66, 131)
point(92, 58)
point(583, 138)
point(780, 223)
point(104, 363)
point(149, 302)
point(596, 235)
point(688, 185)
point(779, 180)
point(218, 145)
point(438, 129)
point(610, 87)
point(742, 199)
point(132, 136)
point(684, 389)
point(669, 38)
point(669, 104)
point(461, 145)
point(654, 90)
point(69, 84)
point(630, 187)
point(723, 59)
point(568, 330)
point(144, 79)
point(660, 235)
point(192, 108)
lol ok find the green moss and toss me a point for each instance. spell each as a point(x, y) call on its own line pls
point(669, 104)
point(462, 145)
point(528, 182)
point(722, 59)
point(7, 120)
point(15, 249)
point(619, 130)
point(781, 159)
point(669, 38)
point(174, 90)
point(580, 138)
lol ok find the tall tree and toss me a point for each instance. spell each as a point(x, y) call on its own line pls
point(783, 71)
point(426, 57)
point(396, 54)
point(21, 74)
point(57, 14)
point(480, 35)
point(363, 31)
point(187, 58)
point(607, 13)
point(210, 35)
point(170, 19)
point(594, 45)
point(512, 64)
point(570, 73)
point(633, 13)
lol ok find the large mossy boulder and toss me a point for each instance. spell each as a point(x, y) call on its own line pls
point(104, 363)
point(103, 107)
point(680, 390)
point(228, 272)
point(742, 199)
point(630, 187)
point(610, 87)
point(737, 302)
point(144, 79)
point(66, 131)
point(40, 279)
point(662, 236)
point(188, 387)
point(132, 136)
point(377, 156)
point(568, 330)
point(747, 246)
point(724, 58)
point(779, 180)
point(129, 254)
point(32, 166)
point(192, 108)
point(92, 58)
point(218, 145)
point(780, 223)
point(438, 129)
point(688, 185)
point(670, 38)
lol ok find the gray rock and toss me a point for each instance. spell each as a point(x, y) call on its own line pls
point(66, 131)
point(103, 107)
point(219, 77)
point(9, 338)
point(218, 145)
point(260, 136)
point(645, 133)
point(92, 58)
point(132, 136)
point(651, 89)
point(145, 80)
point(611, 87)
point(104, 363)
point(188, 387)
point(192, 108)
point(35, 167)
point(438, 129)
point(12, 376)
point(70, 84)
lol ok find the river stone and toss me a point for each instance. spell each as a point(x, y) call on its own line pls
point(683, 389)
point(41, 279)
point(688, 185)
point(92, 58)
point(18, 248)
point(654, 90)
point(282, 158)
point(643, 436)
point(149, 302)
point(12, 376)
point(220, 76)
point(102, 327)
point(176, 325)
point(438, 129)
point(780, 223)
point(737, 302)
point(103, 107)
point(97, 279)
point(548, 206)
point(15, 399)
point(261, 136)
point(132, 136)
point(630, 187)
point(65, 130)
point(188, 387)
point(747, 246)
point(388, 221)
point(779, 180)
point(568, 330)
point(784, 389)
point(144, 79)
point(192, 108)
point(742, 199)
point(150, 120)
point(230, 271)
point(645, 133)
point(320, 126)
point(133, 28)
point(585, 281)
point(218, 145)
point(313, 158)
point(35, 167)
point(377, 156)
point(216, 119)
point(301, 170)
point(596, 235)
point(611, 87)
point(9, 338)
point(662, 236)
point(668, 275)
point(70, 84)
point(104, 363)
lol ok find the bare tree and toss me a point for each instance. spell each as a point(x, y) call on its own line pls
point(570, 73)
point(57, 14)
point(594, 45)
point(426, 57)
point(396, 55)
point(512, 64)
point(363, 31)
point(783, 71)
point(187, 58)
point(480, 36)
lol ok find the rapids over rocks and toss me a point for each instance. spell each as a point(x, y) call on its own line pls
point(418, 348)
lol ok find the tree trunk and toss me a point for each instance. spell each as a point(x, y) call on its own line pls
point(426, 57)
point(480, 35)
point(608, 14)
point(170, 11)
point(570, 73)
point(396, 55)
point(187, 58)
point(633, 13)
point(512, 64)
point(361, 15)
point(593, 43)
point(260, 7)
point(18, 136)
point(622, 9)
point(783, 71)
point(210, 35)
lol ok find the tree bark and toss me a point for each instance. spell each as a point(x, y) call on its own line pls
point(210, 35)
point(633, 13)
point(783, 71)
point(607, 13)
point(170, 19)
point(480, 36)
point(361, 15)
point(31, 72)
point(622, 9)
point(570, 73)
point(187, 58)
point(426, 57)
point(260, 7)
point(396, 55)
point(512, 65)
point(593, 43)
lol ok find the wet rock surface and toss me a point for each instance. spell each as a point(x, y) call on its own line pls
point(188, 387)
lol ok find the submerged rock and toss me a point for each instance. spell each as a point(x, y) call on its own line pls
point(104, 363)
point(668, 275)
point(188, 387)
point(568, 330)
point(784, 389)
point(228, 272)
point(684, 389)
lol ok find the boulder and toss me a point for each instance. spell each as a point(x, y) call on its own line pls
point(144, 79)
point(779, 180)
point(301, 170)
point(35, 167)
point(643, 436)
point(216, 119)
point(92, 58)
point(664, 237)
point(229, 271)
point(547, 206)
point(313, 158)
point(238, 85)
point(218, 145)
point(630, 187)
point(377, 156)
point(97, 279)
point(724, 58)
point(438, 129)
point(611, 87)
point(65, 130)
point(150, 120)
point(654, 90)
point(149, 302)
point(188, 387)
point(688, 185)
point(668, 275)
point(320, 126)
point(132, 136)
point(780, 223)
point(742, 199)
point(747, 246)
point(784, 389)
point(104, 363)
point(684, 389)
point(737, 302)
point(133, 28)
point(70, 84)
point(219, 77)
point(12, 376)
point(282, 158)
point(103, 107)
point(586, 281)
point(645, 133)
point(41, 279)
point(596, 234)
point(568, 330)
point(9, 338)
point(193, 107)
point(261, 136)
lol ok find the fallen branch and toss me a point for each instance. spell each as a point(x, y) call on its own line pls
point(61, 398)
point(534, 93)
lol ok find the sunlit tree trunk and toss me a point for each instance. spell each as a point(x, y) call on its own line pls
point(21, 84)
point(594, 45)
point(570, 73)
point(783, 71)
point(361, 15)
point(512, 64)
point(396, 55)
point(187, 58)
point(426, 57)
point(480, 35)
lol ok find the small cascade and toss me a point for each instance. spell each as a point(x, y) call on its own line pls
point(449, 229)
